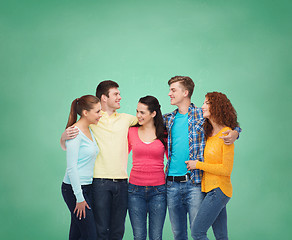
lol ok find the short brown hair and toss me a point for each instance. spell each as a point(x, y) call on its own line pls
point(104, 87)
point(187, 83)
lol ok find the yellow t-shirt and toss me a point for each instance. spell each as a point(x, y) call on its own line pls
point(111, 135)
point(217, 165)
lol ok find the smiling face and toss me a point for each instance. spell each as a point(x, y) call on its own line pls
point(113, 99)
point(206, 109)
point(144, 115)
point(94, 114)
point(177, 93)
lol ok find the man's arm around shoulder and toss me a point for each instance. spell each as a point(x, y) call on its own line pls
point(69, 133)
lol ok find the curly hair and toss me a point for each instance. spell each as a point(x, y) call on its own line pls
point(222, 112)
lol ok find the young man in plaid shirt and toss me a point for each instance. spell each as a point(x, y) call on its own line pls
point(186, 141)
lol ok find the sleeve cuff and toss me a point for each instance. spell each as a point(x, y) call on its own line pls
point(199, 165)
point(238, 129)
point(79, 197)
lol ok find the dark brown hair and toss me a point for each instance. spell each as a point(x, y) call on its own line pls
point(78, 105)
point(153, 105)
point(187, 83)
point(104, 87)
point(222, 112)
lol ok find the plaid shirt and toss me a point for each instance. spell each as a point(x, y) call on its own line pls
point(197, 139)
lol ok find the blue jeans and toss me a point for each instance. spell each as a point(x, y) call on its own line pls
point(84, 228)
point(110, 200)
point(183, 198)
point(212, 213)
point(143, 200)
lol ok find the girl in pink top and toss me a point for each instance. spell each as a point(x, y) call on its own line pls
point(146, 191)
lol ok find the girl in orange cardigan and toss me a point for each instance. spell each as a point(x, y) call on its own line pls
point(220, 116)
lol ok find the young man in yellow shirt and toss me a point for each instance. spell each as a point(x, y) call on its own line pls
point(110, 185)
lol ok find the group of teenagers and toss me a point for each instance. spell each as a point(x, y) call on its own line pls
point(198, 143)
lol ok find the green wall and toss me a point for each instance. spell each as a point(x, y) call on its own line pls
point(54, 51)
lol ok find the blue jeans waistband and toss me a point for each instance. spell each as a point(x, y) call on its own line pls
point(143, 187)
point(69, 186)
point(112, 179)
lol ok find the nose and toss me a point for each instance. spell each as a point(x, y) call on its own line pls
point(169, 94)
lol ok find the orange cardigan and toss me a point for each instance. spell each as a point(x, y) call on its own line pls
point(217, 165)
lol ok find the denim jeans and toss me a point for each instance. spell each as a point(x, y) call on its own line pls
point(143, 200)
point(110, 201)
point(84, 228)
point(183, 198)
point(212, 213)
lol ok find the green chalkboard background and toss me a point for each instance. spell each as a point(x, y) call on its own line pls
point(54, 51)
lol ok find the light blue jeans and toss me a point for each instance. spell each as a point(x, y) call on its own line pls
point(212, 213)
point(143, 201)
point(183, 198)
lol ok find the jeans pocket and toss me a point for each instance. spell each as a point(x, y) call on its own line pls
point(160, 189)
point(98, 182)
point(212, 194)
point(65, 187)
point(131, 188)
point(194, 184)
point(169, 184)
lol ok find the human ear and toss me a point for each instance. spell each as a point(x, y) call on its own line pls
point(84, 113)
point(186, 93)
point(103, 98)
